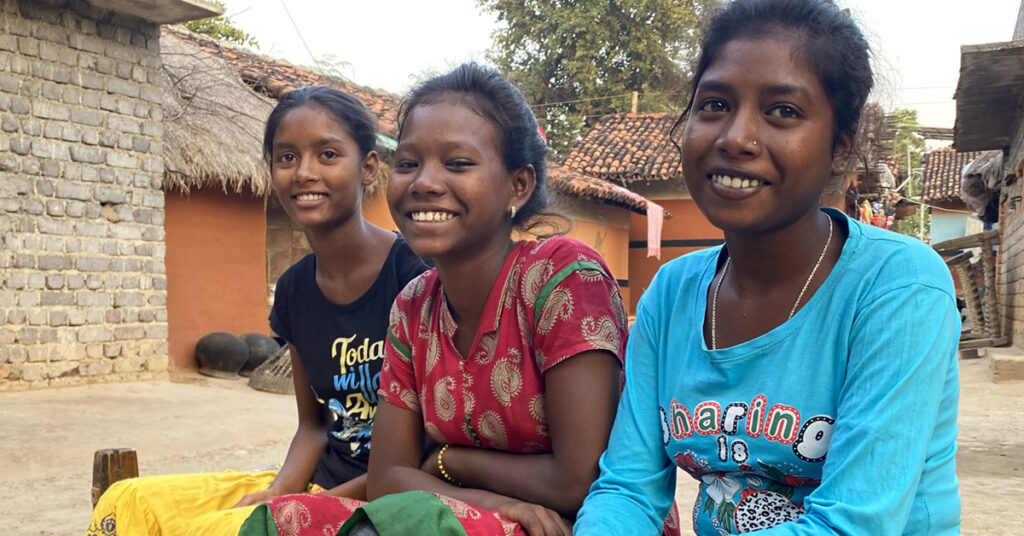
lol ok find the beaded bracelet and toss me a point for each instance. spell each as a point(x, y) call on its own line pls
point(440, 466)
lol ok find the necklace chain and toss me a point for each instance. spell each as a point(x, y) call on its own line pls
point(725, 269)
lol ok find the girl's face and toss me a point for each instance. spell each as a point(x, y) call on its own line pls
point(757, 147)
point(317, 168)
point(449, 191)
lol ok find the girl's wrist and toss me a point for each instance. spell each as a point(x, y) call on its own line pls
point(441, 467)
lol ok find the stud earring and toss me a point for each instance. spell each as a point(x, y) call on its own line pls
point(512, 210)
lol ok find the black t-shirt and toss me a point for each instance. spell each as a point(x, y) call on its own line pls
point(342, 349)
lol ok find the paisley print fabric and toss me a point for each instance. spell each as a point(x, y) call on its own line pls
point(552, 300)
point(321, 515)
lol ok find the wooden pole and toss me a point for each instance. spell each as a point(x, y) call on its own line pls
point(111, 465)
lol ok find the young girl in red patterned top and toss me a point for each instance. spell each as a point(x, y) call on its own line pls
point(508, 354)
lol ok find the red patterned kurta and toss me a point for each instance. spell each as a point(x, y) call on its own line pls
point(552, 300)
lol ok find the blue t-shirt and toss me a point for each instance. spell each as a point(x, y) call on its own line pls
point(842, 420)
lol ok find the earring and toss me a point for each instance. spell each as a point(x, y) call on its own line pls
point(512, 210)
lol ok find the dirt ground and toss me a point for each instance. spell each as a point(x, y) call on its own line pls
point(47, 440)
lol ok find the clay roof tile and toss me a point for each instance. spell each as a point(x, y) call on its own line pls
point(632, 147)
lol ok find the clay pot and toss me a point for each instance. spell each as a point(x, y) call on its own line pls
point(221, 355)
point(261, 347)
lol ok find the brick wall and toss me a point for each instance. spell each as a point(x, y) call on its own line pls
point(1011, 221)
point(82, 284)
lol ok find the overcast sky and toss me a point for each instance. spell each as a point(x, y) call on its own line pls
point(388, 42)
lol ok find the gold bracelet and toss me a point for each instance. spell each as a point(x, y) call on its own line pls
point(440, 466)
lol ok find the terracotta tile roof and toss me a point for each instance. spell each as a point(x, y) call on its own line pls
point(628, 148)
point(941, 180)
point(569, 182)
point(273, 77)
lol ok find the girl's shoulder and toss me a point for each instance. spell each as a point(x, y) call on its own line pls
point(894, 260)
point(561, 251)
point(419, 289)
point(692, 264)
point(407, 264)
point(302, 272)
point(681, 278)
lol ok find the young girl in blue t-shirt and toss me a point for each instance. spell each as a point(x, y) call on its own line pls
point(805, 372)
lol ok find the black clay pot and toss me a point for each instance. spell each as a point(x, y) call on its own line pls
point(261, 347)
point(221, 355)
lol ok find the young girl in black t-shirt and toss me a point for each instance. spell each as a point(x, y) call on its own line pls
point(332, 309)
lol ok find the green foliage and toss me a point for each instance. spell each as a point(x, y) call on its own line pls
point(331, 65)
point(906, 124)
point(222, 28)
point(907, 142)
point(561, 127)
point(596, 53)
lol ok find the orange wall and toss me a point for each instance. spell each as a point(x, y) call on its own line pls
point(687, 224)
point(613, 245)
point(216, 268)
point(376, 211)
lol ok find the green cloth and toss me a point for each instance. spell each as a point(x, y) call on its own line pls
point(401, 514)
point(259, 523)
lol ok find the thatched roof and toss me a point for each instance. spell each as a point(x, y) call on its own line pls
point(213, 122)
point(216, 101)
point(273, 77)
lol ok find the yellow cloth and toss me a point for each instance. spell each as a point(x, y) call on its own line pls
point(177, 505)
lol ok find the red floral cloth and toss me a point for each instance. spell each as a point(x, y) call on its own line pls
point(317, 515)
point(552, 300)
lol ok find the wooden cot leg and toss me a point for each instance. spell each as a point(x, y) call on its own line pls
point(111, 465)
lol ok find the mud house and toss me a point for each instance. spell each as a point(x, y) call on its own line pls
point(990, 116)
point(636, 152)
point(215, 185)
point(83, 289)
point(950, 216)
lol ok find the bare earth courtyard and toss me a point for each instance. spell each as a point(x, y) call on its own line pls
point(47, 439)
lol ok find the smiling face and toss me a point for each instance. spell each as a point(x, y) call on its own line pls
point(758, 144)
point(449, 190)
point(317, 168)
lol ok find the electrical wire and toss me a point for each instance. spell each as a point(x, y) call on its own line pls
point(546, 104)
point(588, 99)
point(297, 31)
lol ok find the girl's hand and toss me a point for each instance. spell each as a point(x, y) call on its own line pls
point(256, 497)
point(535, 519)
